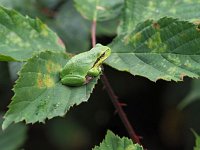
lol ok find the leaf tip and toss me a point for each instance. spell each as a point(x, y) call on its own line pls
point(5, 124)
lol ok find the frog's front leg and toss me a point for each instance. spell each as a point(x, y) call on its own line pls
point(94, 72)
point(73, 80)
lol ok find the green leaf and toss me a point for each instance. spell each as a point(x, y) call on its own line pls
point(13, 137)
point(99, 10)
point(166, 49)
point(22, 36)
point(197, 145)
point(39, 93)
point(72, 28)
point(192, 96)
point(114, 142)
point(107, 28)
point(136, 11)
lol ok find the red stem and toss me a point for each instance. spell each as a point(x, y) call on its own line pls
point(120, 111)
point(93, 33)
point(113, 96)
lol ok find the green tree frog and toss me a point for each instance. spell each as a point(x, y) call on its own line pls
point(81, 68)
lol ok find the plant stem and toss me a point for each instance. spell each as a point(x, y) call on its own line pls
point(120, 110)
point(93, 33)
point(113, 96)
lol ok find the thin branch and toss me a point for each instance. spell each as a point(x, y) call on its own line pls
point(113, 96)
point(93, 33)
point(119, 109)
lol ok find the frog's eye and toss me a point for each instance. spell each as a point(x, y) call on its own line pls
point(102, 55)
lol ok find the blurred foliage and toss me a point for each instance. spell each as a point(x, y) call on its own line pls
point(99, 10)
point(13, 137)
point(26, 7)
point(73, 29)
point(192, 96)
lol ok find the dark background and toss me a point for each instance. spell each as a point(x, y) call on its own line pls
point(151, 107)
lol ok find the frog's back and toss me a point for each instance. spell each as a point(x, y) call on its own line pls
point(80, 64)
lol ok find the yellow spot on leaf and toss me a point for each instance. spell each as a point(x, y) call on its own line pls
point(188, 1)
point(53, 67)
point(151, 5)
point(33, 34)
point(155, 43)
point(196, 22)
point(172, 10)
point(198, 28)
point(44, 30)
point(188, 64)
point(100, 8)
point(45, 81)
point(48, 81)
point(133, 39)
point(175, 59)
point(13, 38)
point(130, 147)
point(40, 80)
point(172, 70)
point(137, 37)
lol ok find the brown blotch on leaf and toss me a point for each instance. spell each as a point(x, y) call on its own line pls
point(182, 76)
point(156, 26)
point(198, 28)
point(40, 81)
point(196, 22)
point(44, 81)
point(49, 66)
point(48, 81)
point(52, 67)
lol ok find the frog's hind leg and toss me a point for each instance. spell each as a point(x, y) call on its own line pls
point(70, 80)
point(88, 79)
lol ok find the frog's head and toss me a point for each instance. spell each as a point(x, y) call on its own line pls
point(101, 53)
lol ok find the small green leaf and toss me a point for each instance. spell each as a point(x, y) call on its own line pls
point(22, 36)
point(114, 142)
point(99, 10)
point(13, 137)
point(197, 145)
point(136, 11)
point(39, 93)
point(107, 28)
point(192, 96)
point(166, 49)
